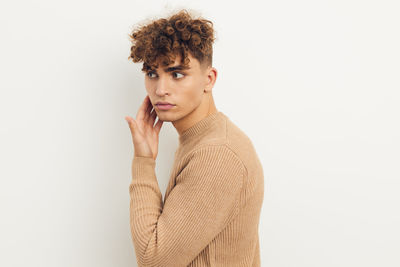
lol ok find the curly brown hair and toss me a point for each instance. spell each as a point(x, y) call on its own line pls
point(165, 38)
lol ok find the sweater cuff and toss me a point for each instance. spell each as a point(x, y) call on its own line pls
point(143, 167)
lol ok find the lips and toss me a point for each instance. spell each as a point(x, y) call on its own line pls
point(164, 103)
point(165, 106)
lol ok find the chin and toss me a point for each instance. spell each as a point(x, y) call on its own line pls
point(169, 116)
point(164, 117)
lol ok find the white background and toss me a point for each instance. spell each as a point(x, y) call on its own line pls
point(314, 84)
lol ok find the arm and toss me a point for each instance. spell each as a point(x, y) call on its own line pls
point(203, 201)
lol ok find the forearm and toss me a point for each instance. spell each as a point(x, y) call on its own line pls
point(145, 203)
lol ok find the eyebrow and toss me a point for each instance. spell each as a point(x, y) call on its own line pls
point(178, 67)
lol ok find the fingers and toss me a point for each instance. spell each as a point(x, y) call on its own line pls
point(148, 110)
point(142, 111)
point(152, 117)
point(158, 125)
point(132, 124)
point(148, 114)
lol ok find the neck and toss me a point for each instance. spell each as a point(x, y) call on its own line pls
point(203, 110)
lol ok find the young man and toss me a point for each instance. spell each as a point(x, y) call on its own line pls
point(211, 208)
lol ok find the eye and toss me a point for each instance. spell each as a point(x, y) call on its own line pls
point(175, 73)
point(149, 74)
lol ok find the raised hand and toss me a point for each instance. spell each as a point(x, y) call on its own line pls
point(144, 132)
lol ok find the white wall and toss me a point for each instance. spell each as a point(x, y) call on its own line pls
point(314, 84)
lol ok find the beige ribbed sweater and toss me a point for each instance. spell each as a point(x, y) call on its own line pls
point(211, 208)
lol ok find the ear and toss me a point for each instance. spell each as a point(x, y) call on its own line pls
point(211, 77)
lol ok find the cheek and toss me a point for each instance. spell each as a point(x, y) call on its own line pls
point(149, 86)
point(193, 84)
point(191, 94)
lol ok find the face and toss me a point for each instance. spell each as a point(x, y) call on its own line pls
point(184, 88)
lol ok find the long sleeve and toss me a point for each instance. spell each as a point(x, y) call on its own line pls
point(203, 201)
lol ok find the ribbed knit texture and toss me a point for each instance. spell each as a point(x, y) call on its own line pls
point(211, 208)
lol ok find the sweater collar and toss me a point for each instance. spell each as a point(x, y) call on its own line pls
point(200, 127)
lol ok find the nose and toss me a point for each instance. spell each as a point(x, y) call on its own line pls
point(162, 86)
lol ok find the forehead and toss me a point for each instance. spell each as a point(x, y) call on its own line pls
point(177, 64)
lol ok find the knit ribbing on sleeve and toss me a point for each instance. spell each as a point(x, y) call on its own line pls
point(146, 202)
point(203, 201)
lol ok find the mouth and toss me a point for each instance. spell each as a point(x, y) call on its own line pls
point(164, 106)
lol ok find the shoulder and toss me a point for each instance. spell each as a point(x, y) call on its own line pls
point(216, 158)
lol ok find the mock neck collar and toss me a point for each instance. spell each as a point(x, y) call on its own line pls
point(200, 127)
